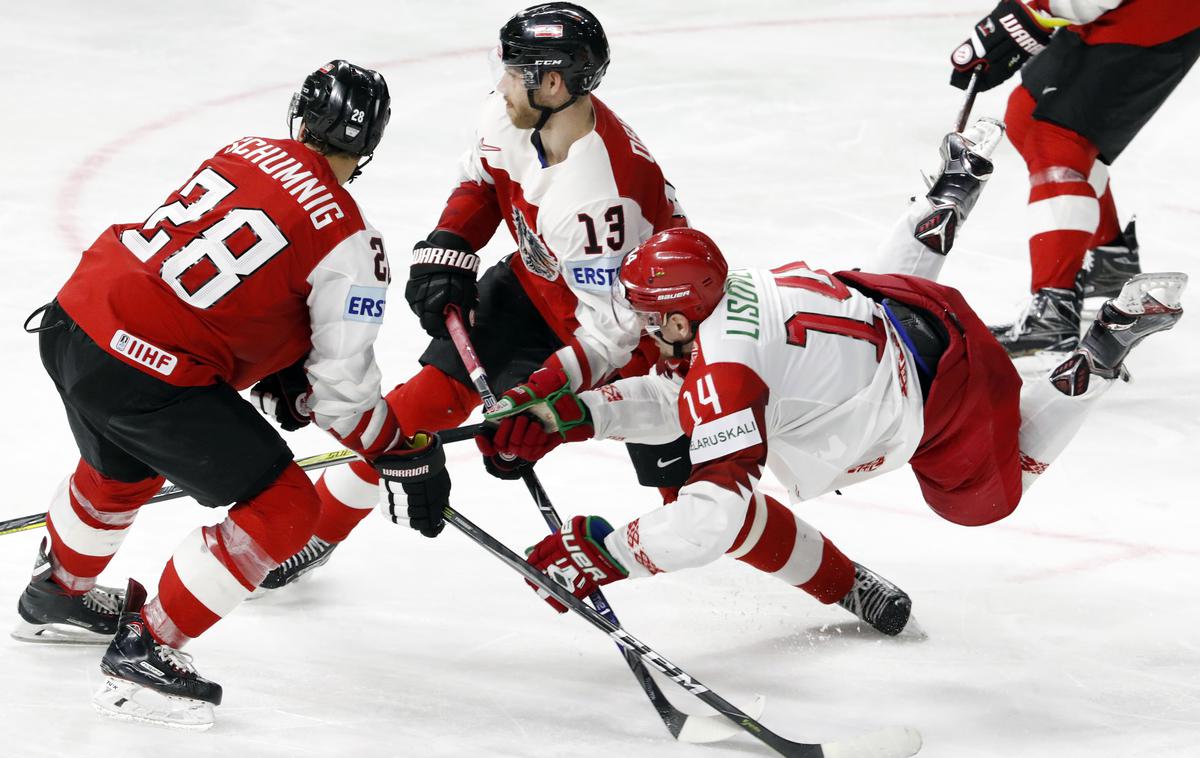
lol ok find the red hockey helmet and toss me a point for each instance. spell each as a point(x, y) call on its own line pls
point(676, 271)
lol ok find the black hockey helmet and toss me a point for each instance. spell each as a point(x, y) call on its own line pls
point(343, 107)
point(561, 37)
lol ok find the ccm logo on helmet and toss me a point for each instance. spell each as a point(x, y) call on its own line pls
point(555, 62)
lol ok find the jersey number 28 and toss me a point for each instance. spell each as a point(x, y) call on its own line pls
point(213, 243)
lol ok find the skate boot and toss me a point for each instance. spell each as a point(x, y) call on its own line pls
point(966, 166)
point(315, 553)
point(1107, 267)
point(148, 681)
point(1049, 322)
point(877, 601)
point(48, 613)
point(1148, 303)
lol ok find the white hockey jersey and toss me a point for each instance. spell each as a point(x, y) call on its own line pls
point(573, 223)
point(794, 371)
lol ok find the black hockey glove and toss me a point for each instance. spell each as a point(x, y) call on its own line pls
point(1001, 43)
point(416, 486)
point(284, 396)
point(443, 273)
point(500, 465)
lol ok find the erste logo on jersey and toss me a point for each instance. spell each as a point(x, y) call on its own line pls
point(725, 435)
point(594, 274)
point(143, 352)
point(365, 304)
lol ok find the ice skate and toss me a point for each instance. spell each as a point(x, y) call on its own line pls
point(878, 602)
point(151, 682)
point(1107, 267)
point(1148, 303)
point(315, 553)
point(966, 166)
point(1050, 322)
point(49, 614)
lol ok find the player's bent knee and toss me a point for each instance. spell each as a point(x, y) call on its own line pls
point(281, 518)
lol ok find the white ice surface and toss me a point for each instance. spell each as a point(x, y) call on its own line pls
point(792, 130)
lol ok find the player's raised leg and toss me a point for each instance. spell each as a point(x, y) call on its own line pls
point(1053, 409)
point(925, 233)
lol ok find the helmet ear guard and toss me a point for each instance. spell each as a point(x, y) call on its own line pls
point(343, 108)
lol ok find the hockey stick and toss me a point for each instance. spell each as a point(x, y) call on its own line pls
point(894, 742)
point(311, 463)
point(964, 113)
point(682, 726)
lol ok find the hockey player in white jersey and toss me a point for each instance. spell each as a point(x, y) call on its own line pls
point(578, 190)
point(828, 380)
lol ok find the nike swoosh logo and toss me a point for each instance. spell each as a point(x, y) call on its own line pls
point(664, 464)
point(485, 146)
point(1048, 90)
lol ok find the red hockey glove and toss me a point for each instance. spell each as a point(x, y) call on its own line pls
point(1001, 43)
point(547, 396)
point(575, 558)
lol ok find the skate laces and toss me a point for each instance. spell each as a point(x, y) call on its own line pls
point(313, 549)
point(103, 601)
point(177, 659)
point(869, 598)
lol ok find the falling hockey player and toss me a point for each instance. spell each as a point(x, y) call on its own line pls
point(827, 380)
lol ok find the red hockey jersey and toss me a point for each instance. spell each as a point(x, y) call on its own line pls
point(260, 258)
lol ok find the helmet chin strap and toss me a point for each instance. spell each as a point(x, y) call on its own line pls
point(677, 347)
point(547, 111)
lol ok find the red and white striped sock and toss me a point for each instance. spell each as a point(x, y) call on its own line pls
point(430, 401)
point(88, 520)
point(776, 541)
point(216, 567)
point(1070, 206)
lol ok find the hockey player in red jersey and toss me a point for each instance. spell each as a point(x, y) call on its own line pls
point(1086, 91)
point(260, 267)
point(578, 190)
point(827, 380)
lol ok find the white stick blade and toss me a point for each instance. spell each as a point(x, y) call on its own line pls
point(893, 742)
point(714, 728)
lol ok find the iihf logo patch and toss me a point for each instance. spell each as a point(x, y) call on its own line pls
point(140, 351)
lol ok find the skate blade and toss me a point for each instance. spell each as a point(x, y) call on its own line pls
point(984, 135)
point(1152, 293)
point(57, 634)
point(126, 701)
